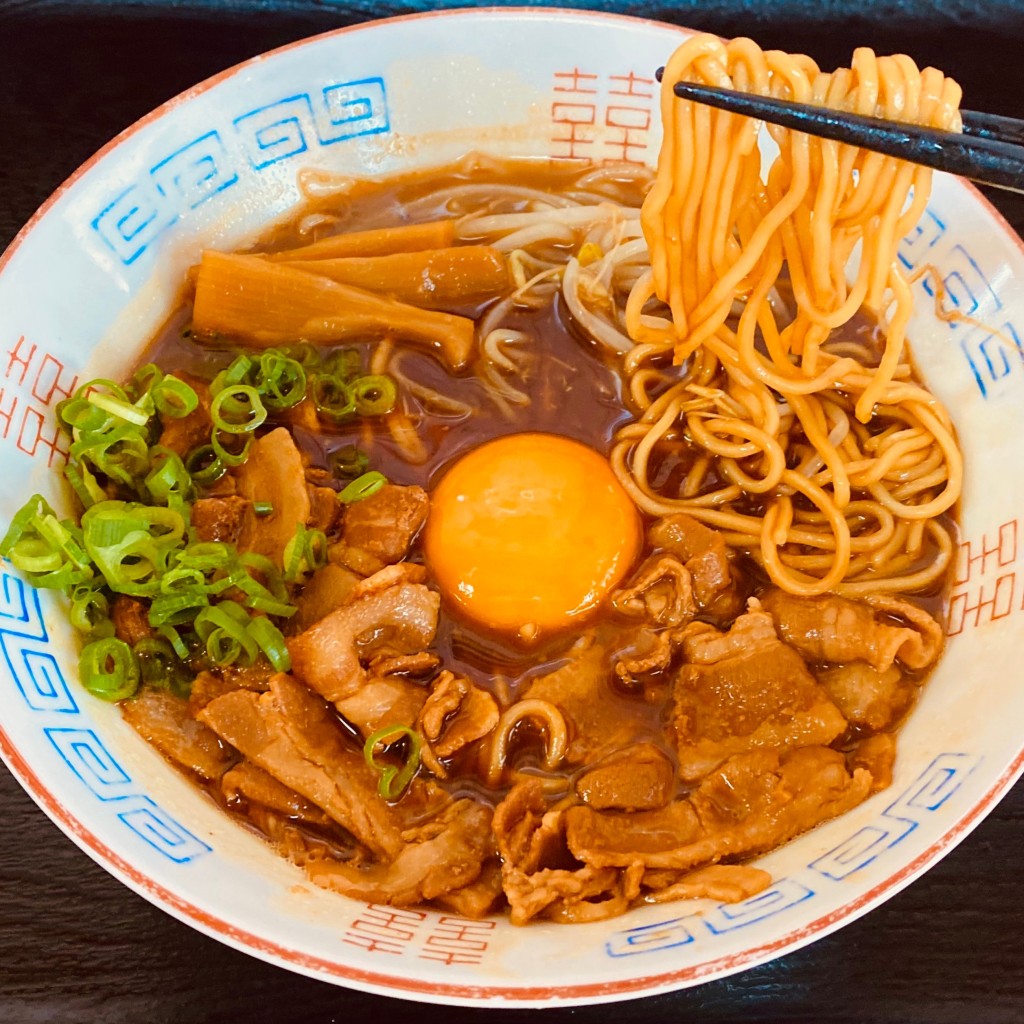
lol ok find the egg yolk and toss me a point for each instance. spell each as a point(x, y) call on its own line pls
point(530, 532)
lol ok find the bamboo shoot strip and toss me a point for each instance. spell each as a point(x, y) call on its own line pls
point(433, 279)
point(435, 234)
point(250, 299)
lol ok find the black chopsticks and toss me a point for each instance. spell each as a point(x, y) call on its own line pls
point(990, 150)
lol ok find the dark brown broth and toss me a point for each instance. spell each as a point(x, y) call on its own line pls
point(574, 391)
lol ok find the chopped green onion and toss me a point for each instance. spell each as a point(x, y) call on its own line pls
point(177, 609)
point(234, 578)
point(79, 414)
point(280, 380)
point(145, 379)
point(174, 398)
point(270, 595)
point(23, 521)
point(64, 537)
point(168, 481)
point(206, 556)
point(332, 398)
point(349, 461)
point(204, 465)
point(261, 600)
point(305, 354)
point(131, 544)
point(374, 395)
point(177, 643)
point(119, 408)
point(224, 628)
point(121, 453)
point(263, 508)
point(84, 484)
point(362, 487)
point(159, 665)
point(237, 372)
point(306, 551)
point(90, 611)
point(393, 781)
point(237, 409)
point(109, 669)
point(86, 390)
point(52, 553)
point(228, 456)
point(343, 363)
point(267, 569)
point(270, 641)
point(180, 581)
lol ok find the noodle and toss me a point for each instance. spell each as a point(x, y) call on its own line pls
point(726, 244)
point(555, 733)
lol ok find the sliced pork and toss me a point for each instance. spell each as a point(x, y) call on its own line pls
point(441, 857)
point(379, 530)
point(746, 690)
point(835, 629)
point(166, 721)
point(751, 804)
point(384, 611)
point(290, 733)
point(273, 475)
point(702, 550)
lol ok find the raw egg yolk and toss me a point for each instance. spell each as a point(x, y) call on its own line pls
point(530, 532)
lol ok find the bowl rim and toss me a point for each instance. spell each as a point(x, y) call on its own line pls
point(394, 985)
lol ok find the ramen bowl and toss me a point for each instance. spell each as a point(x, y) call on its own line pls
point(95, 274)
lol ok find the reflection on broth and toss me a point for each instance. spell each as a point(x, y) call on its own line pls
point(430, 542)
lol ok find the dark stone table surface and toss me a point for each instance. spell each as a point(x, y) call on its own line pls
point(77, 947)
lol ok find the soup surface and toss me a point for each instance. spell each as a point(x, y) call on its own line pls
point(645, 748)
point(413, 627)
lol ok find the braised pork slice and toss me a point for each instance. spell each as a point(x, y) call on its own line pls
point(835, 629)
point(670, 837)
point(380, 529)
point(247, 782)
point(324, 507)
point(638, 778)
point(166, 721)
point(661, 594)
point(380, 702)
point(130, 617)
point(385, 611)
point(326, 590)
point(752, 803)
point(702, 550)
point(538, 874)
point(273, 475)
point(291, 734)
point(455, 714)
point(746, 690)
point(219, 519)
point(727, 883)
point(440, 857)
point(877, 755)
point(867, 697)
point(478, 898)
point(208, 686)
point(600, 720)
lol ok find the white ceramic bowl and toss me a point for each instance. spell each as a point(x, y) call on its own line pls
point(96, 270)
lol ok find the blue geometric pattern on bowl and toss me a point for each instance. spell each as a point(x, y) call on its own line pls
point(23, 641)
point(209, 163)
